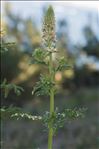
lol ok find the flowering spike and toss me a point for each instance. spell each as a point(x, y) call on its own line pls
point(48, 30)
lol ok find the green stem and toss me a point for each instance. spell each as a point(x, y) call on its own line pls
point(50, 138)
point(50, 135)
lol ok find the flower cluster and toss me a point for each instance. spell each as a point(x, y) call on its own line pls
point(26, 116)
point(48, 31)
point(17, 113)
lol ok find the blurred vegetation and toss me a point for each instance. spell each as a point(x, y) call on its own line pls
point(78, 87)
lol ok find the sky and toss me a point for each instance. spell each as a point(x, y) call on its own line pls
point(75, 12)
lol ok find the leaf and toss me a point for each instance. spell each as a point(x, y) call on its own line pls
point(43, 86)
point(62, 65)
point(39, 56)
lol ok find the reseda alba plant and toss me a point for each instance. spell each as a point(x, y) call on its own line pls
point(46, 85)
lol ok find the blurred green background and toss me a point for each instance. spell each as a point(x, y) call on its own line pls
point(77, 30)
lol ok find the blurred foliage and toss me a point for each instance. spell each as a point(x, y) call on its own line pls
point(8, 87)
point(92, 47)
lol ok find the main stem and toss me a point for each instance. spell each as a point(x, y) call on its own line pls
point(50, 135)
